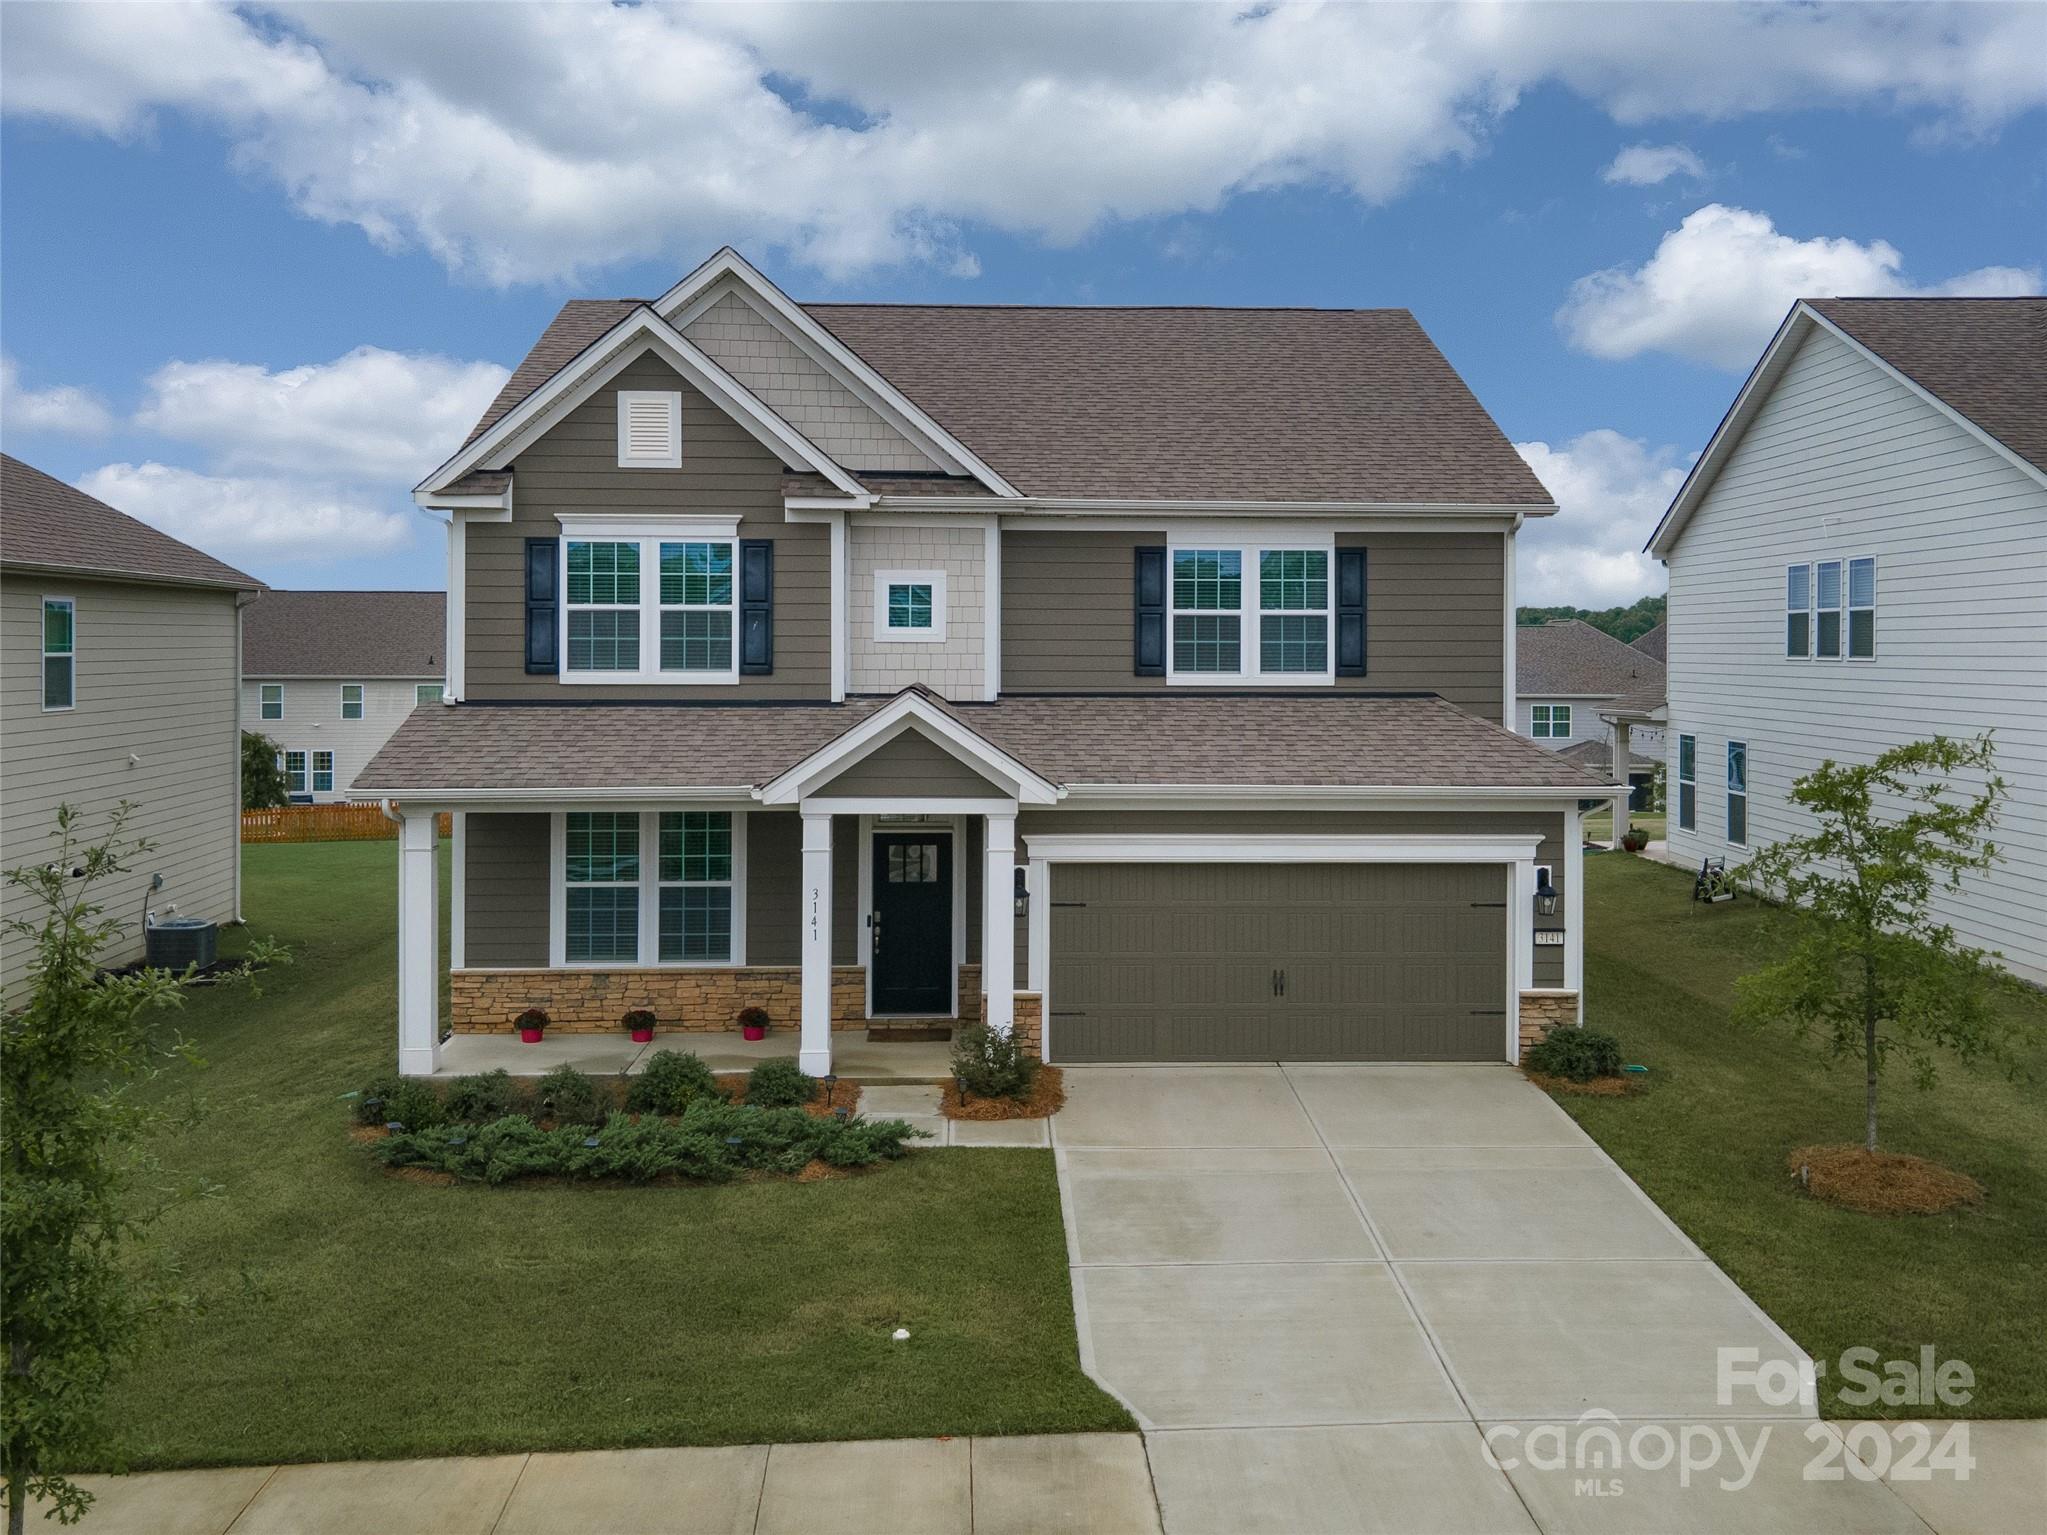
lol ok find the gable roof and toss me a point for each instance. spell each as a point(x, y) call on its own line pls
point(1122, 403)
point(345, 634)
point(1574, 660)
point(1654, 643)
point(53, 526)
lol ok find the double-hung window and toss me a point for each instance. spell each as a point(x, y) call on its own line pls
point(695, 878)
point(1687, 783)
point(351, 700)
point(294, 772)
point(1550, 722)
point(323, 772)
point(696, 607)
point(650, 887)
point(660, 608)
point(60, 653)
point(1862, 609)
point(1797, 611)
point(1737, 793)
point(270, 700)
point(603, 606)
point(1827, 584)
point(1250, 612)
point(602, 909)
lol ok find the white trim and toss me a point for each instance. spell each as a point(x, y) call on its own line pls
point(648, 606)
point(1049, 510)
point(883, 580)
point(456, 665)
point(671, 456)
point(419, 930)
point(612, 526)
point(863, 926)
point(906, 710)
point(814, 919)
point(991, 611)
point(998, 920)
point(501, 504)
point(361, 701)
point(43, 664)
point(1333, 797)
point(841, 572)
point(1574, 904)
point(1183, 847)
point(647, 946)
point(1520, 948)
point(1250, 543)
point(1510, 682)
point(458, 890)
point(880, 804)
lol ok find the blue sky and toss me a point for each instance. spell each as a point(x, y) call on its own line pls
point(205, 222)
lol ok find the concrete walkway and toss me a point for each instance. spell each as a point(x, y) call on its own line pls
point(1085, 1484)
point(1324, 1290)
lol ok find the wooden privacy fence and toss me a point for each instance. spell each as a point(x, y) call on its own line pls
point(325, 823)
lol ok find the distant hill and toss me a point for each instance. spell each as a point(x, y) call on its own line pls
point(1624, 624)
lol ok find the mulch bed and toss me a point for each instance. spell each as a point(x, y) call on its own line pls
point(1047, 1097)
point(1881, 1182)
point(1598, 1087)
point(842, 1095)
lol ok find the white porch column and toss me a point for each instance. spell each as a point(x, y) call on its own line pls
point(1574, 893)
point(419, 947)
point(815, 1056)
point(998, 922)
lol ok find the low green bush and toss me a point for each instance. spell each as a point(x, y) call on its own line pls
point(479, 1099)
point(568, 1097)
point(779, 1085)
point(373, 1103)
point(987, 1064)
point(414, 1104)
point(1579, 1054)
point(669, 1083)
point(712, 1142)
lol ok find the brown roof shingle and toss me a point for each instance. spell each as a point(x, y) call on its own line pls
point(1985, 357)
point(1574, 660)
point(345, 634)
point(1330, 741)
point(1654, 643)
point(54, 526)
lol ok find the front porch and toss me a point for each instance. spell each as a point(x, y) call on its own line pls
point(855, 1058)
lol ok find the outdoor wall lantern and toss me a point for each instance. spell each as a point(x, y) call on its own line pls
point(1545, 897)
point(1023, 894)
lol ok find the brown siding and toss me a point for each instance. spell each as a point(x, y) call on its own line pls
point(912, 766)
point(574, 468)
point(774, 887)
point(1435, 614)
point(505, 891)
point(845, 890)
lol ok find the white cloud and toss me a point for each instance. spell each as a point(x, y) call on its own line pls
point(251, 519)
point(371, 415)
point(1610, 490)
point(62, 408)
point(537, 142)
point(1719, 284)
point(1647, 165)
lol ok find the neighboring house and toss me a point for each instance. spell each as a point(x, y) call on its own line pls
point(1653, 642)
point(1597, 758)
point(1859, 559)
point(1138, 679)
point(118, 683)
point(329, 675)
point(1567, 672)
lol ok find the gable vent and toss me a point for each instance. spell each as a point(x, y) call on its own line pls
point(649, 429)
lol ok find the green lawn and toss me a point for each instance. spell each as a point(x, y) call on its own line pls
point(1599, 827)
point(1726, 1106)
point(349, 1314)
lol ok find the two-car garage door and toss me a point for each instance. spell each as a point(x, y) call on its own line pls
point(1286, 961)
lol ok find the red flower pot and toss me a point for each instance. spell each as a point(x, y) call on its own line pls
point(753, 1031)
point(643, 1036)
point(530, 1036)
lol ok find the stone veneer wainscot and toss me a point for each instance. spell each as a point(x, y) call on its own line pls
point(593, 1001)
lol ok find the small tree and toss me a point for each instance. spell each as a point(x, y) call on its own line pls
point(74, 1137)
point(262, 776)
point(1872, 971)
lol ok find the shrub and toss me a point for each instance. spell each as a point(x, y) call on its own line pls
point(669, 1083)
point(414, 1105)
point(779, 1085)
point(373, 1103)
point(568, 1097)
point(987, 1064)
point(1579, 1054)
point(482, 1098)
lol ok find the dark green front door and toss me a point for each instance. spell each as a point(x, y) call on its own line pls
point(912, 937)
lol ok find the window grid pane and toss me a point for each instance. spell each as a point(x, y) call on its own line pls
point(696, 846)
point(295, 772)
point(696, 922)
point(1829, 581)
point(696, 640)
point(604, 573)
point(909, 607)
point(1687, 758)
point(323, 772)
point(351, 701)
point(604, 640)
point(1798, 588)
point(1862, 583)
point(1293, 578)
point(57, 628)
point(603, 923)
point(696, 575)
point(1208, 579)
point(1293, 643)
point(428, 692)
point(1206, 644)
point(272, 701)
point(603, 845)
point(1862, 634)
point(1737, 767)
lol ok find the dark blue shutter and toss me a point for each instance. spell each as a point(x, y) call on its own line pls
point(543, 605)
point(756, 607)
point(1350, 612)
point(1150, 594)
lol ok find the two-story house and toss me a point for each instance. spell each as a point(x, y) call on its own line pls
point(1568, 673)
point(1859, 559)
point(1141, 679)
point(329, 676)
point(117, 685)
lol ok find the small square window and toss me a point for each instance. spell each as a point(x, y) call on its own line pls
point(351, 700)
point(909, 605)
point(428, 693)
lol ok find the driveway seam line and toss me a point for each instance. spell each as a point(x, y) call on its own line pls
point(517, 1477)
point(251, 1498)
point(760, 1492)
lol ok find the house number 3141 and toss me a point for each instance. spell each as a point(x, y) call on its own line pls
point(1549, 938)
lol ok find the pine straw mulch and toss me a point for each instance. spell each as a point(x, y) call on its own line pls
point(1598, 1087)
point(1047, 1097)
point(1881, 1182)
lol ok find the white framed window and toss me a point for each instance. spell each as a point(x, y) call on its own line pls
point(652, 606)
point(1862, 608)
point(656, 886)
point(909, 606)
point(323, 772)
point(1550, 722)
point(1827, 593)
point(1797, 612)
point(1687, 783)
point(649, 429)
point(270, 700)
point(351, 700)
point(428, 693)
point(1250, 610)
point(294, 772)
point(1737, 793)
point(60, 654)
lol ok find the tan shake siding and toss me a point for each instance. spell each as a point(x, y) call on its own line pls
point(912, 766)
point(1547, 824)
point(505, 891)
point(155, 679)
point(574, 468)
point(774, 887)
point(1434, 614)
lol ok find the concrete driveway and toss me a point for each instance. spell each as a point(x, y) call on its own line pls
point(1318, 1287)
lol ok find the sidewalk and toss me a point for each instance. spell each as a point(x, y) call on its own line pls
point(1099, 1484)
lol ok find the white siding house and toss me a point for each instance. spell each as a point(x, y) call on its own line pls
point(1858, 562)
